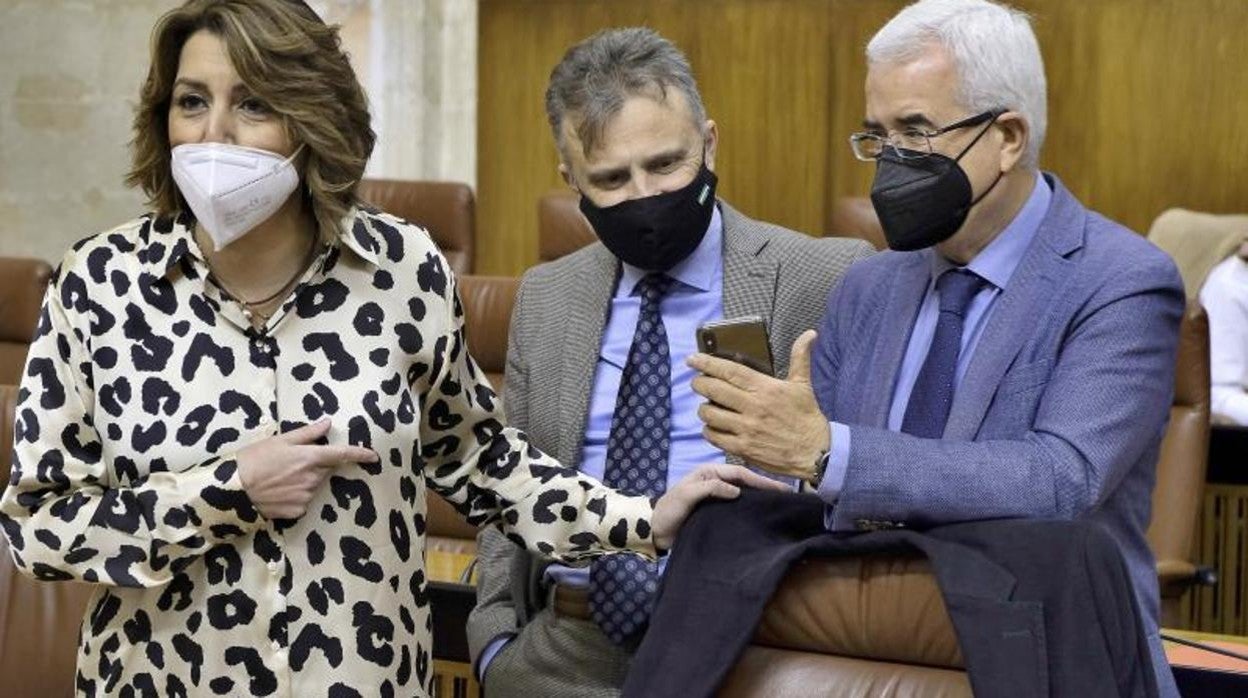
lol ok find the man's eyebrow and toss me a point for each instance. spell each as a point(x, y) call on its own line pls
point(916, 119)
point(675, 153)
point(605, 173)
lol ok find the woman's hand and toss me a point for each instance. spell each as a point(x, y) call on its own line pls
point(282, 473)
point(718, 481)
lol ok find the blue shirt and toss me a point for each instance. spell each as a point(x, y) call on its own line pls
point(696, 297)
point(995, 264)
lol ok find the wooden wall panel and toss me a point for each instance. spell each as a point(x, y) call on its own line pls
point(1145, 98)
point(762, 67)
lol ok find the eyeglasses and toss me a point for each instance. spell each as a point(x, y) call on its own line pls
point(912, 143)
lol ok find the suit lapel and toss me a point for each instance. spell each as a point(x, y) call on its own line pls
point(1032, 288)
point(896, 321)
point(581, 341)
point(749, 283)
point(749, 276)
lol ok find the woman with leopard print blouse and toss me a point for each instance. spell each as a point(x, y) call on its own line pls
point(234, 403)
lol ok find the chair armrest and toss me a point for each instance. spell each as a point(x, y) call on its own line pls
point(1176, 576)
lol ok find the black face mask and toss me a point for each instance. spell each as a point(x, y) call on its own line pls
point(657, 232)
point(922, 201)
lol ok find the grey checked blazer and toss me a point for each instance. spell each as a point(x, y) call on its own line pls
point(556, 336)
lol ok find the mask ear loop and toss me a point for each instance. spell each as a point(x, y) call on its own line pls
point(980, 135)
point(970, 145)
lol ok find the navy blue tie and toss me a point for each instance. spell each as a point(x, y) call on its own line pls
point(622, 586)
point(932, 395)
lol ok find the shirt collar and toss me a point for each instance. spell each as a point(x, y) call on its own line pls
point(169, 239)
point(699, 270)
point(996, 262)
point(360, 237)
point(164, 241)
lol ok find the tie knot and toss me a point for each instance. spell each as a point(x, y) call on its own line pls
point(653, 287)
point(956, 288)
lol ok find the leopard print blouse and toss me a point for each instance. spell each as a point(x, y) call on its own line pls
point(144, 378)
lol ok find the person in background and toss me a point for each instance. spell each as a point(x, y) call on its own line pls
point(1225, 298)
point(235, 403)
point(608, 389)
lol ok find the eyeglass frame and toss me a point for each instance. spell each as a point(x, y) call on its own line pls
point(989, 116)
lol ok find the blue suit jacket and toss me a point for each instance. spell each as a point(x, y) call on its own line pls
point(1062, 408)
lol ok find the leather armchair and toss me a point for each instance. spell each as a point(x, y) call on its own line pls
point(561, 227)
point(446, 209)
point(38, 620)
point(22, 283)
point(855, 217)
point(866, 626)
point(1181, 468)
point(1197, 242)
point(488, 301)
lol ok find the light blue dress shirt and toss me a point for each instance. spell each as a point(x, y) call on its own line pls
point(995, 264)
point(696, 298)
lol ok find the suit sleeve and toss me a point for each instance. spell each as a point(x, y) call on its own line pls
point(1106, 401)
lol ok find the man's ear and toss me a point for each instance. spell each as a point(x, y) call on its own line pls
point(711, 132)
point(1015, 135)
point(566, 174)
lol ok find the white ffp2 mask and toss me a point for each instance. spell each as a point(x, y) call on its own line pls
point(231, 189)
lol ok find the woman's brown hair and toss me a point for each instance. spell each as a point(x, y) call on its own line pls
point(289, 58)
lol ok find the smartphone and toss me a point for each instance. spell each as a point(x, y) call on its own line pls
point(741, 339)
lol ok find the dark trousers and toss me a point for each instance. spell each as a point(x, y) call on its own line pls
point(1040, 608)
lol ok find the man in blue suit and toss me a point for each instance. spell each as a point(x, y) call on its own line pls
point(1013, 357)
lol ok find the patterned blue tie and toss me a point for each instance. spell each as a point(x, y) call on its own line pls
point(932, 395)
point(622, 586)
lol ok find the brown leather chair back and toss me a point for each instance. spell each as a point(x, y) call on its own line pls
point(22, 283)
point(1182, 463)
point(38, 620)
point(446, 209)
point(1197, 242)
point(488, 301)
point(851, 626)
point(854, 217)
point(561, 227)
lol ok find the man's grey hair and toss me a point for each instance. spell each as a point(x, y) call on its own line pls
point(994, 50)
point(596, 76)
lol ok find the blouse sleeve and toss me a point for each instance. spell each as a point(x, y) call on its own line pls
point(490, 472)
point(62, 516)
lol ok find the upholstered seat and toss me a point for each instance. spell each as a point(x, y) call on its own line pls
point(446, 209)
point(22, 283)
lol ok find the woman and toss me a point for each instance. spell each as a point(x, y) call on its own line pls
point(233, 404)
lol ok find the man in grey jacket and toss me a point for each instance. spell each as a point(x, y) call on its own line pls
point(596, 370)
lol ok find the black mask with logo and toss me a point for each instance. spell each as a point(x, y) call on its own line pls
point(657, 232)
point(922, 200)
